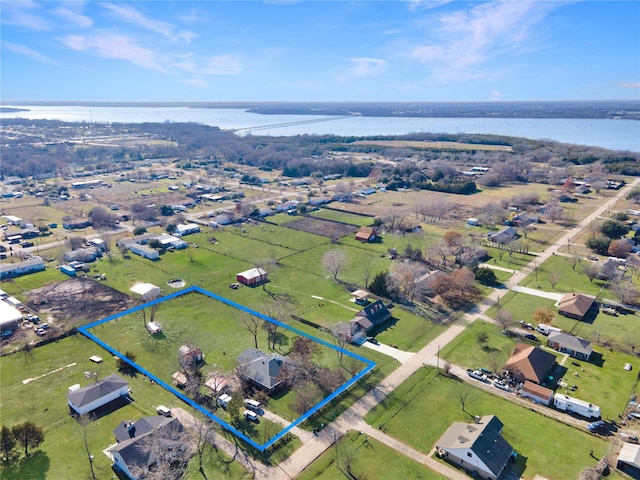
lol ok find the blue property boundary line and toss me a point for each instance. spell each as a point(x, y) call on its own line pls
point(261, 447)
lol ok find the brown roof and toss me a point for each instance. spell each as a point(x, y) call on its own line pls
point(575, 304)
point(537, 390)
point(530, 363)
point(364, 233)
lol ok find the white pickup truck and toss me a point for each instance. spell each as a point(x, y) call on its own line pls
point(477, 374)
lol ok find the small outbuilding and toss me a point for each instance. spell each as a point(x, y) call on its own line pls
point(629, 460)
point(367, 234)
point(10, 318)
point(189, 357)
point(537, 393)
point(252, 277)
point(147, 291)
point(361, 297)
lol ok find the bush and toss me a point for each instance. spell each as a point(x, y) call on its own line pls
point(485, 276)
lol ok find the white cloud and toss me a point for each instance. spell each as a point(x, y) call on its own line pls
point(115, 46)
point(25, 51)
point(74, 18)
point(24, 14)
point(470, 38)
point(426, 4)
point(496, 95)
point(366, 67)
point(630, 85)
point(133, 16)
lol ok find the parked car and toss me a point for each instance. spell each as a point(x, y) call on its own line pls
point(531, 336)
point(477, 374)
point(251, 416)
point(526, 325)
point(164, 411)
point(597, 425)
point(501, 385)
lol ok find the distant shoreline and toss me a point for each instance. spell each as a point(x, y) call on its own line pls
point(13, 110)
point(606, 109)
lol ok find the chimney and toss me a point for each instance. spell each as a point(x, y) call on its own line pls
point(477, 419)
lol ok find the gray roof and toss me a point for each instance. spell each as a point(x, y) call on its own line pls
point(260, 367)
point(99, 389)
point(571, 342)
point(126, 430)
point(484, 439)
point(143, 450)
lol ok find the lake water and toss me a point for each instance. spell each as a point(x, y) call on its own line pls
point(606, 133)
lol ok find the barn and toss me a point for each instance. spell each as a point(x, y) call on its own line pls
point(253, 277)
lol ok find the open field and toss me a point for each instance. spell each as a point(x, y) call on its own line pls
point(368, 460)
point(541, 442)
point(435, 145)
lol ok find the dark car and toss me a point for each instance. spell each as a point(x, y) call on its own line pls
point(597, 425)
point(531, 336)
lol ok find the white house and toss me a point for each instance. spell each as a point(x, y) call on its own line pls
point(186, 229)
point(86, 399)
point(144, 251)
point(9, 270)
point(478, 447)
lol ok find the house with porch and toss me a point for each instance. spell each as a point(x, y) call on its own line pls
point(264, 370)
point(575, 346)
point(531, 363)
point(575, 305)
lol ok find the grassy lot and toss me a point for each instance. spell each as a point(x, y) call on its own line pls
point(43, 401)
point(520, 305)
point(541, 442)
point(369, 460)
point(604, 383)
point(568, 279)
point(344, 217)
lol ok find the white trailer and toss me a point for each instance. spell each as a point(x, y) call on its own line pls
point(575, 405)
point(547, 329)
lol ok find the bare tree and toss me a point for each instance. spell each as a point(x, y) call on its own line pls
point(625, 291)
point(205, 433)
point(83, 422)
point(334, 261)
point(366, 270)
point(574, 260)
point(405, 275)
point(465, 395)
point(504, 318)
point(591, 270)
point(252, 325)
point(554, 278)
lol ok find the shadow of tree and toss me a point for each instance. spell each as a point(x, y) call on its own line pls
point(33, 467)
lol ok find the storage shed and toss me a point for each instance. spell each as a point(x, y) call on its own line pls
point(10, 318)
point(147, 291)
point(253, 277)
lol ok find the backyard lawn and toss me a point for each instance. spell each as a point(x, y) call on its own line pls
point(547, 447)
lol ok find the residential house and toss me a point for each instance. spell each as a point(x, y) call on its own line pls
point(367, 234)
point(186, 229)
point(575, 346)
point(372, 316)
point(575, 305)
point(86, 255)
point(426, 281)
point(265, 370)
point(89, 398)
point(317, 201)
point(76, 223)
point(252, 277)
point(147, 442)
point(477, 447)
point(167, 241)
point(531, 363)
point(537, 393)
point(629, 460)
point(503, 236)
point(144, 251)
point(10, 270)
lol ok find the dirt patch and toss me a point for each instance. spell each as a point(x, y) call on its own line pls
point(77, 301)
point(319, 226)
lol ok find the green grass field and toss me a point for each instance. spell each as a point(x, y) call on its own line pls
point(545, 446)
point(368, 460)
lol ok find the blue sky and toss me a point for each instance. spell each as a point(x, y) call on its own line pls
point(284, 50)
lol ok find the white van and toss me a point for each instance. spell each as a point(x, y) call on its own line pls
point(251, 416)
point(252, 404)
point(164, 411)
